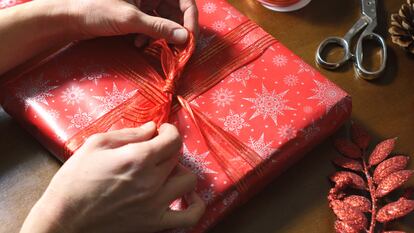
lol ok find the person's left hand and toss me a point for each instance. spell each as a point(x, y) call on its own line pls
point(154, 18)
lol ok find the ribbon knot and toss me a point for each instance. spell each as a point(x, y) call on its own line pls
point(159, 96)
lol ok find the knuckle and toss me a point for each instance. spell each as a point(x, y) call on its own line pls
point(159, 27)
point(129, 15)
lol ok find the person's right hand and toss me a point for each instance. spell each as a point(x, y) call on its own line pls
point(120, 181)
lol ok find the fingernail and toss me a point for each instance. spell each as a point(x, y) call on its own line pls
point(147, 126)
point(180, 35)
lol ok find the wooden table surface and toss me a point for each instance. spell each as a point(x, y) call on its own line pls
point(296, 201)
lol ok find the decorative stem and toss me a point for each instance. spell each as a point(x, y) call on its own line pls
point(371, 189)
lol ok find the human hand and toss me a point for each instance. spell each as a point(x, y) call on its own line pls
point(120, 181)
point(92, 18)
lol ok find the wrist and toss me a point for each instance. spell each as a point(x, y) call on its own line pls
point(48, 20)
point(50, 214)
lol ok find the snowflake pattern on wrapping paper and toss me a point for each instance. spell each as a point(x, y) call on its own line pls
point(242, 75)
point(260, 146)
point(197, 163)
point(219, 26)
point(80, 119)
point(310, 131)
point(232, 14)
point(209, 8)
point(203, 41)
point(280, 60)
point(249, 39)
point(230, 198)
point(53, 113)
point(176, 204)
point(326, 93)
point(269, 104)
point(234, 122)
point(207, 195)
point(307, 109)
point(304, 67)
point(7, 3)
point(287, 132)
point(222, 97)
point(114, 98)
point(93, 73)
point(291, 80)
point(72, 95)
point(35, 90)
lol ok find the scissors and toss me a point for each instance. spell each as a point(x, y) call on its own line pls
point(367, 23)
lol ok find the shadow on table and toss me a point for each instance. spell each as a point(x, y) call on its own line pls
point(17, 146)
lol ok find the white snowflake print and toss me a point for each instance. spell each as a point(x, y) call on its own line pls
point(310, 131)
point(114, 98)
point(280, 60)
point(291, 80)
point(35, 90)
point(7, 3)
point(287, 132)
point(93, 73)
point(261, 147)
point(72, 95)
point(232, 14)
point(80, 119)
point(197, 163)
point(207, 195)
point(54, 114)
point(176, 204)
point(234, 122)
point(222, 97)
point(326, 93)
point(230, 198)
point(304, 67)
point(203, 41)
point(242, 75)
point(269, 104)
point(307, 109)
point(209, 8)
point(219, 26)
point(249, 39)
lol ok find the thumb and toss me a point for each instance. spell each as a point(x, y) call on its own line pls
point(157, 27)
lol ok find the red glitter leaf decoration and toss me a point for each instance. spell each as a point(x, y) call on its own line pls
point(342, 227)
point(360, 136)
point(359, 202)
point(393, 181)
point(389, 166)
point(348, 164)
point(347, 148)
point(381, 151)
point(351, 178)
point(395, 210)
point(349, 215)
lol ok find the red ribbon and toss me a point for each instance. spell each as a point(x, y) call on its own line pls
point(160, 97)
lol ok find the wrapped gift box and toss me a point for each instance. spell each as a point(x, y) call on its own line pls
point(274, 103)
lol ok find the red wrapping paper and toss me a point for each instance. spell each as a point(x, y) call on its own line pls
point(277, 104)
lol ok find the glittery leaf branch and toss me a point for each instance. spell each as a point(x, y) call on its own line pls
point(358, 196)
